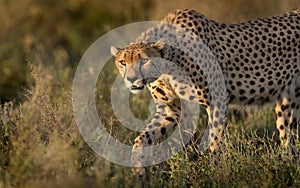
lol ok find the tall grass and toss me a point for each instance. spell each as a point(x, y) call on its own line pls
point(40, 145)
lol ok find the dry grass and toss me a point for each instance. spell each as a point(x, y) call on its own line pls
point(40, 144)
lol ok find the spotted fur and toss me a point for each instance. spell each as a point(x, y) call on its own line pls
point(260, 61)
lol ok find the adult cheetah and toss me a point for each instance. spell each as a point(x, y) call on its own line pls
point(259, 59)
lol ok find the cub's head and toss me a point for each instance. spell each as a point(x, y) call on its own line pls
point(139, 64)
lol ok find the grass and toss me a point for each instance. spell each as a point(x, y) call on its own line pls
point(40, 145)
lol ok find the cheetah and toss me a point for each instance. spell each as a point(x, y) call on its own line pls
point(259, 61)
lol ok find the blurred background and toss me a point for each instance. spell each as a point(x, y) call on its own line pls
point(55, 33)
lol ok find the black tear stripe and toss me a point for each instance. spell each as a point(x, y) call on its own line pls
point(140, 69)
point(160, 91)
point(131, 56)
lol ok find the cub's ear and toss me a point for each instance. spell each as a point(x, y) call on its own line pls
point(114, 50)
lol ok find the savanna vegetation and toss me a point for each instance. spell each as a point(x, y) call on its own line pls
point(42, 43)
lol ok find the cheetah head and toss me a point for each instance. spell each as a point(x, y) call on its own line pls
point(139, 64)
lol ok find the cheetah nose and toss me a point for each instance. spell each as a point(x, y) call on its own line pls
point(132, 79)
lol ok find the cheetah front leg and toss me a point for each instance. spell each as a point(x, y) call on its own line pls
point(164, 121)
point(217, 122)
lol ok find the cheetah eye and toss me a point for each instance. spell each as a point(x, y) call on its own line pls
point(145, 60)
point(122, 62)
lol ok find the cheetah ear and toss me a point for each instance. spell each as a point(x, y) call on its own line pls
point(114, 50)
point(160, 44)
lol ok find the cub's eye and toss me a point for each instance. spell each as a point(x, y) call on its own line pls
point(122, 62)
